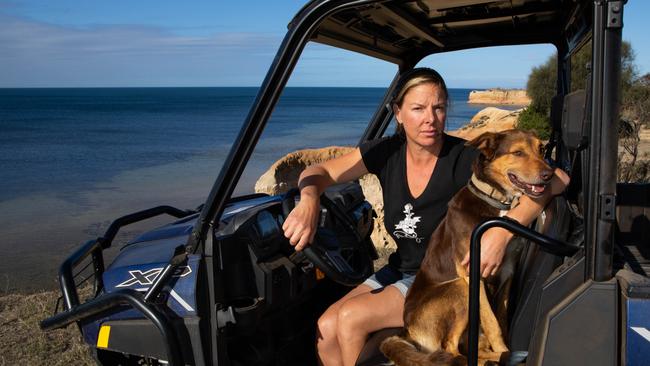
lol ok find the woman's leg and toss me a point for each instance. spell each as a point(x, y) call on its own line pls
point(327, 344)
point(366, 313)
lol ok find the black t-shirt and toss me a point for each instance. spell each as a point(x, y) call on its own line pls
point(411, 221)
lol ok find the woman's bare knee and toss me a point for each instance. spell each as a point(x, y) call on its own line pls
point(352, 320)
point(327, 322)
point(368, 313)
point(327, 344)
point(326, 326)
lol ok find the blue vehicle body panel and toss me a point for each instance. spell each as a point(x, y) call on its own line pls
point(180, 295)
point(637, 350)
point(142, 259)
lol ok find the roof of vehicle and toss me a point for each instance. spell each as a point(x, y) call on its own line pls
point(406, 31)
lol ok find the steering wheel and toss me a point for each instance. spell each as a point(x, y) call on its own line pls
point(348, 265)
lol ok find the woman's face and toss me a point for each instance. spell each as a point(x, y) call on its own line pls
point(423, 113)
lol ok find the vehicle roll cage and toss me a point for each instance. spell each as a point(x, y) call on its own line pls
point(599, 19)
point(602, 20)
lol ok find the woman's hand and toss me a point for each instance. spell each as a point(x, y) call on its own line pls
point(493, 248)
point(495, 240)
point(300, 226)
point(559, 182)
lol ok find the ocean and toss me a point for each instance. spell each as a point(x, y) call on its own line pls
point(74, 159)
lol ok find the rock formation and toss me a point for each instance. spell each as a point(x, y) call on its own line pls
point(489, 119)
point(499, 96)
point(283, 174)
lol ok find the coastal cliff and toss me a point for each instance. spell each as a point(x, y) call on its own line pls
point(499, 96)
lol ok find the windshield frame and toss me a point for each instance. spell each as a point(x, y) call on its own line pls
point(589, 20)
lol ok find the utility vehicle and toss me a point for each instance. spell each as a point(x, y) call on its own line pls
point(222, 286)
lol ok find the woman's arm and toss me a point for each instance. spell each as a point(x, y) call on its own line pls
point(495, 240)
point(300, 226)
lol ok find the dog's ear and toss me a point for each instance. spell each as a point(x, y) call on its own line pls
point(487, 143)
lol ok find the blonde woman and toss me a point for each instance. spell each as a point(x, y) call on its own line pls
point(420, 168)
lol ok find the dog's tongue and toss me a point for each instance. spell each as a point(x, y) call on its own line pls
point(537, 188)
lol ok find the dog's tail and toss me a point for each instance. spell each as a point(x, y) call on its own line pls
point(404, 353)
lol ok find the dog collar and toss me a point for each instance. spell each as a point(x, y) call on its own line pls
point(490, 194)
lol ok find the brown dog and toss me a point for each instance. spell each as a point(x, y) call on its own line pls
point(436, 310)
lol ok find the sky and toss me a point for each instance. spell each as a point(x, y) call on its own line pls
point(150, 43)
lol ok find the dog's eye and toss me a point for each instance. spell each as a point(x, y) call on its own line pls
point(518, 153)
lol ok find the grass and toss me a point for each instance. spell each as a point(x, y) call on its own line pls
point(22, 342)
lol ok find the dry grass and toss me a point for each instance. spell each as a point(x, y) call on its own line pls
point(22, 342)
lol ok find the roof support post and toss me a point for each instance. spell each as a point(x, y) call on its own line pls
point(601, 198)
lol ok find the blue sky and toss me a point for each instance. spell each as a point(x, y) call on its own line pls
point(92, 43)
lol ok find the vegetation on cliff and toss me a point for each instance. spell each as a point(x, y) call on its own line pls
point(635, 107)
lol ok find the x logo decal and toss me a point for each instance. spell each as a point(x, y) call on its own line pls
point(146, 278)
point(141, 278)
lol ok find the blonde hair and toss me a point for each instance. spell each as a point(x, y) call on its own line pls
point(411, 79)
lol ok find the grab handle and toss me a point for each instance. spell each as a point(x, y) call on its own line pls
point(546, 243)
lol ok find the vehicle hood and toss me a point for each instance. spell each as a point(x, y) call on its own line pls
point(157, 246)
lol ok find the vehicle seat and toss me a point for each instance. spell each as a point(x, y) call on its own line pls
point(370, 354)
point(561, 222)
point(535, 267)
point(633, 226)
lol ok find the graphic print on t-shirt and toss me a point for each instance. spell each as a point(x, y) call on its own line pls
point(406, 228)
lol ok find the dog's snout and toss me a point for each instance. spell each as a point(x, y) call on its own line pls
point(546, 174)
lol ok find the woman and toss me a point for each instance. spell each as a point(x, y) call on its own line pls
point(420, 169)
